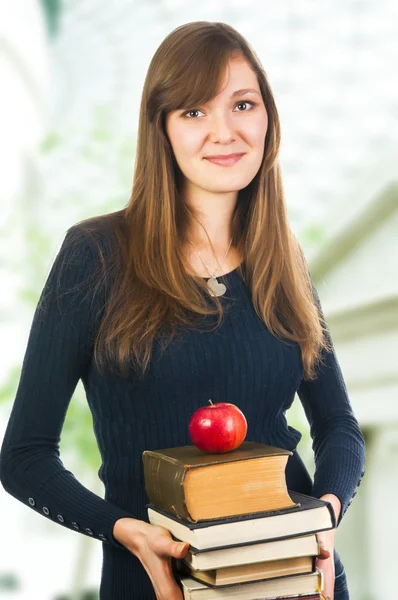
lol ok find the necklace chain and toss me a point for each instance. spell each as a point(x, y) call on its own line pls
point(219, 265)
point(216, 288)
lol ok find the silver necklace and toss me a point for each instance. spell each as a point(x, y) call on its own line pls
point(216, 288)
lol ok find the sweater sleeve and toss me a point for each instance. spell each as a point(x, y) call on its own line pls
point(337, 440)
point(58, 351)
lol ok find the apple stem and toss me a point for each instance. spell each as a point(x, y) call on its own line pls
point(211, 403)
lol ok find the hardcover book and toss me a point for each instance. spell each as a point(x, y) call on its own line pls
point(250, 572)
point(230, 556)
point(294, 585)
point(192, 485)
point(309, 515)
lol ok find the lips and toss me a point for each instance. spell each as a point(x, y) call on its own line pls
point(226, 159)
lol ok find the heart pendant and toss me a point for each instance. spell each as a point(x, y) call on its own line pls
point(216, 288)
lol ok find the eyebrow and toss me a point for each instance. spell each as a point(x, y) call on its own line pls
point(244, 91)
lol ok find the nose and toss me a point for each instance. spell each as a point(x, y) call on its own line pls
point(221, 128)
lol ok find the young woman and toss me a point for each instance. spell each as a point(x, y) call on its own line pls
point(196, 289)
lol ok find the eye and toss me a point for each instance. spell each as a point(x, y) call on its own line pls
point(246, 102)
point(196, 110)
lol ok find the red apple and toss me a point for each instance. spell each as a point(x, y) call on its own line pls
point(218, 428)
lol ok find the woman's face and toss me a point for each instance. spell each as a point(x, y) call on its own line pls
point(230, 122)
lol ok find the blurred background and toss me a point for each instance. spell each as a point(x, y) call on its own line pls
point(71, 74)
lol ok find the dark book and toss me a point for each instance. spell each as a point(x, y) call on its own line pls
point(294, 547)
point(291, 586)
point(309, 515)
point(193, 485)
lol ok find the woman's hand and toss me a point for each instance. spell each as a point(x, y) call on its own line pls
point(325, 561)
point(154, 547)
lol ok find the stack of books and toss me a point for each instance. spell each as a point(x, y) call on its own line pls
point(250, 537)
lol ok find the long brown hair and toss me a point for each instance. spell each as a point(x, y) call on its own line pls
point(151, 290)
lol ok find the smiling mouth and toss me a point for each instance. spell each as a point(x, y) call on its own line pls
point(224, 161)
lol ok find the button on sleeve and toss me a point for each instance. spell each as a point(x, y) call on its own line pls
point(59, 349)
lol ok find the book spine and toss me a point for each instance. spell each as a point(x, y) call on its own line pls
point(332, 514)
point(164, 484)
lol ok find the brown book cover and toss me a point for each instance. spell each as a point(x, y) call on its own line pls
point(249, 572)
point(189, 483)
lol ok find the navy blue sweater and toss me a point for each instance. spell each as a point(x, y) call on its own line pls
point(241, 362)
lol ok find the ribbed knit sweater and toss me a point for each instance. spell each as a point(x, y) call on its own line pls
point(241, 362)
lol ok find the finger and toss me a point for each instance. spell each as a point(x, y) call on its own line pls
point(166, 547)
point(327, 569)
point(324, 552)
point(179, 550)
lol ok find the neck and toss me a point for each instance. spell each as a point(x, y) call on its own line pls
point(210, 217)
